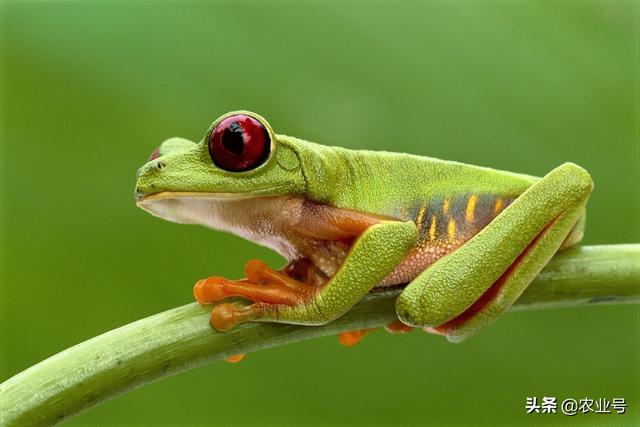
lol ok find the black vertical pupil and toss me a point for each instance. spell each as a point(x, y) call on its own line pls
point(233, 139)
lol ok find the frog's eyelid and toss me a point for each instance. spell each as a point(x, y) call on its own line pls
point(240, 143)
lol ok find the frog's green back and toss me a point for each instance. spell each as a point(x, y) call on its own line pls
point(398, 184)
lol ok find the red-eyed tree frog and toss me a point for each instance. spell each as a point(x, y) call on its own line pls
point(464, 241)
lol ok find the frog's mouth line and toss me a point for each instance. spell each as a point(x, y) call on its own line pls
point(261, 192)
point(143, 201)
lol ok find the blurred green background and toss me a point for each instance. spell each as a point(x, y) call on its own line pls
point(90, 89)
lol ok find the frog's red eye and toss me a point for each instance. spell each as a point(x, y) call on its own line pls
point(239, 143)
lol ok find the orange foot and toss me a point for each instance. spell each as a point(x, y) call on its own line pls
point(235, 358)
point(351, 338)
point(397, 327)
point(264, 286)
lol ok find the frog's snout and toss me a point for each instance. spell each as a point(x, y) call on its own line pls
point(138, 194)
point(146, 176)
point(149, 172)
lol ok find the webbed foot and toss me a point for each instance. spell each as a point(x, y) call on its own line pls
point(266, 287)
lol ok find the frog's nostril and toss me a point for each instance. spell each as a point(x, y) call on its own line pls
point(139, 194)
point(160, 166)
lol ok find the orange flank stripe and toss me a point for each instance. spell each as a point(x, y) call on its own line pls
point(471, 208)
point(432, 228)
point(499, 205)
point(445, 206)
point(423, 208)
point(451, 229)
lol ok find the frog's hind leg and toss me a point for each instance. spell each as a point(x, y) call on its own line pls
point(469, 288)
point(576, 233)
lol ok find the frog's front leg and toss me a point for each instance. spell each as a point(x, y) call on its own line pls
point(278, 297)
point(471, 287)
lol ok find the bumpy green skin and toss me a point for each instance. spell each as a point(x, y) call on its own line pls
point(458, 280)
point(389, 184)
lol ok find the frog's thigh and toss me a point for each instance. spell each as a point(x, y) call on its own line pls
point(377, 251)
point(472, 286)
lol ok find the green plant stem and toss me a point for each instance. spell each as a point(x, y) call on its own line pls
point(181, 338)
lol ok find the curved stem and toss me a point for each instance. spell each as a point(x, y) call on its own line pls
point(181, 338)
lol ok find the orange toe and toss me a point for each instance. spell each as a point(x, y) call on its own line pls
point(210, 290)
point(235, 358)
point(256, 270)
point(198, 292)
point(397, 327)
point(223, 317)
point(351, 338)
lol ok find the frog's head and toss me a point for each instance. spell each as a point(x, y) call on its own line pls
point(239, 157)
